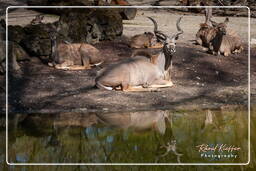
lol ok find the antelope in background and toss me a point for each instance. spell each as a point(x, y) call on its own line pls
point(223, 43)
point(148, 39)
point(73, 56)
point(143, 70)
point(145, 40)
point(217, 38)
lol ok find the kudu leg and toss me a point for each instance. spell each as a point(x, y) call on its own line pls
point(136, 88)
point(161, 84)
point(65, 66)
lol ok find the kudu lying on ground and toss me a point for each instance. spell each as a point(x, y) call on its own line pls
point(73, 56)
point(143, 70)
point(223, 43)
point(211, 36)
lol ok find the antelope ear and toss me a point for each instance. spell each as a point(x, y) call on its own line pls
point(226, 20)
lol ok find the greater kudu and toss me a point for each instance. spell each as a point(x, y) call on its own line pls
point(142, 70)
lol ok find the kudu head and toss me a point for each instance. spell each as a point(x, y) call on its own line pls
point(221, 27)
point(169, 42)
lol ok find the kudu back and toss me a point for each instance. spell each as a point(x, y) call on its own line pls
point(73, 56)
point(143, 69)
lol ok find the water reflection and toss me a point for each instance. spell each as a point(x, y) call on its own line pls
point(135, 137)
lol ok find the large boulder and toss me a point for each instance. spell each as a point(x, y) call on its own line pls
point(37, 40)
point(77, 25)
point(15, 53)
point(91, 25)
point(126, 13)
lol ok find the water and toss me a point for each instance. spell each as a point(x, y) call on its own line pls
point(135, 137)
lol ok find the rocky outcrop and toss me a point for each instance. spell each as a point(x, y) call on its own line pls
point(91, 25)
point(77, 25)
point(15, 51)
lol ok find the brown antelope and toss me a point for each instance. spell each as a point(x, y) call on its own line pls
point(148, 39)
point(141, 70)
point(223, 43)
point(205, 32)
point(145, 40)
point(210, 36)
point(73, 56)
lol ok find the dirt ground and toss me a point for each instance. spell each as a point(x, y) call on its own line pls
point(200, 80)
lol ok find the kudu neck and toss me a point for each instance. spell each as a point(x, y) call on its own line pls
point(164, 58)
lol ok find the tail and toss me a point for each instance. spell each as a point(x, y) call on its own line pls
point(101, 86)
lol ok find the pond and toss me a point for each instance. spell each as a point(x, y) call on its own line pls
point(203, 136)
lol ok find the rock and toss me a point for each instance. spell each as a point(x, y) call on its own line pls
point(128, 13)
point(2, 30)
point(125, 13)
point(15, 53)
point(91, 25)
point(16, 33)
point(33, 38)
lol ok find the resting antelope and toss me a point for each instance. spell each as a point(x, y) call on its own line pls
point(148, 39)
point(73, 56)
point(223, 43)
point(145, 40)
point(207, 33)
point(141, 70)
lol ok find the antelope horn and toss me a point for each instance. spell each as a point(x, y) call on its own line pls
point(155, 23)
point(180, 31)
point(208, 15)
point(159, 35)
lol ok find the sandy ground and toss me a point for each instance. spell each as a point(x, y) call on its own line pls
point(201, 80)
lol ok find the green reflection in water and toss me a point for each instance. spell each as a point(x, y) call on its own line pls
point(139, 137)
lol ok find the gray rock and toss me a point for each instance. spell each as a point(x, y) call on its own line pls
point(15, 53)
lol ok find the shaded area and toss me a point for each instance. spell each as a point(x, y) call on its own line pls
point(201, 81)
